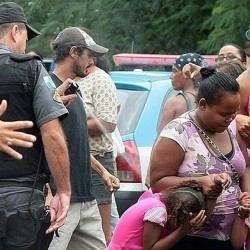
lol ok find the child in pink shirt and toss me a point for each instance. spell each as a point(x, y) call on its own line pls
point(159, 221)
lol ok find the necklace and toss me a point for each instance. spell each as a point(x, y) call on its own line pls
point(190, 94)
point(202, 124)
point(208, 139)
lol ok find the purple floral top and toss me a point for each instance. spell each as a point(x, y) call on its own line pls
point(199, 160)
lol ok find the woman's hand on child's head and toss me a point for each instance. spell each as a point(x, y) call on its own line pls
point(213, 184)
point(223, 179)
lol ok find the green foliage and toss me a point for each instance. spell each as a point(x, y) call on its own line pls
point(227, 24)
point(149, 26)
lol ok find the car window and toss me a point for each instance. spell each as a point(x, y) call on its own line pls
point(132, 103)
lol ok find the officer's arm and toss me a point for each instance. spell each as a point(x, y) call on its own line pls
point(56, 154)
point(58, 160)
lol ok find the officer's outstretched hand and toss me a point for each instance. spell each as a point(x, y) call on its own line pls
point(9, 137)
point(59, 207)
point(66, 99)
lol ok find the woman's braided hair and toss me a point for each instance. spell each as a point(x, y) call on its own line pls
point(183, 201)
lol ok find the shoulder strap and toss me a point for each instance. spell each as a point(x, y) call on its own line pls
point(188, 102)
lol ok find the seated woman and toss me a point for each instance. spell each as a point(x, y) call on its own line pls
point(197, 145)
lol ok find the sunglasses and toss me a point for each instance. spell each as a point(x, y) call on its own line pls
point(227, 57)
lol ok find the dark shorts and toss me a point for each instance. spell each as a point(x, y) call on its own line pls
point(19, 227)
point(101, 194)
point(199, 243)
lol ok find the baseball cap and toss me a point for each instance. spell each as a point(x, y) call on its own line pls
point(11, 12)
point(76, 37)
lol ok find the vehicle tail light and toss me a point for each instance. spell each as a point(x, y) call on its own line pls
point(128, 164)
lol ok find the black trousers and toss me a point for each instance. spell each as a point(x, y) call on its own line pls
point(43, 240)
point(199, 243)
point(19, 222)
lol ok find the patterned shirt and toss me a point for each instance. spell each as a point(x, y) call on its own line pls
point(100, 100)
point(200, 161)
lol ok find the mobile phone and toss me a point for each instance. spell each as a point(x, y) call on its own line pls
point(72, 89)
point(46, 214)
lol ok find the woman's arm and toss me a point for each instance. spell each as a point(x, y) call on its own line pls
point(243, 119)
point(244, 80)
point(162, 166)
point(238, 233)
point(166, 158)
point(239, 230)
point(111, 182)
point(244, 179)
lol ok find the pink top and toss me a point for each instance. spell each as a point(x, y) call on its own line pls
point(128, 234)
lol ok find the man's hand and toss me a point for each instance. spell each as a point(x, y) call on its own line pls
point(61, 91)
point(9, 137)
point(59, 207)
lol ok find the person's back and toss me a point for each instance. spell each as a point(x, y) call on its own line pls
point(99, 94)
point(186, 99)
point(101, 104)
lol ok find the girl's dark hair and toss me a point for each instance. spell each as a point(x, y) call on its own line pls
point(183, 199)
point(232, 68)
point(215, 85)
point(103, 63)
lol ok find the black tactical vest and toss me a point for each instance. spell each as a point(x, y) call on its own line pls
point(18, 76)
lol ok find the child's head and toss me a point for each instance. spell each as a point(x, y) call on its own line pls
point(183, 201)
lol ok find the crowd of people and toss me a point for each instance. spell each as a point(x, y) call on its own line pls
point(50, 139)
point(53, 134)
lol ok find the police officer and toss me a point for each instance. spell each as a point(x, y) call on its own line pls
point(31, 95)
